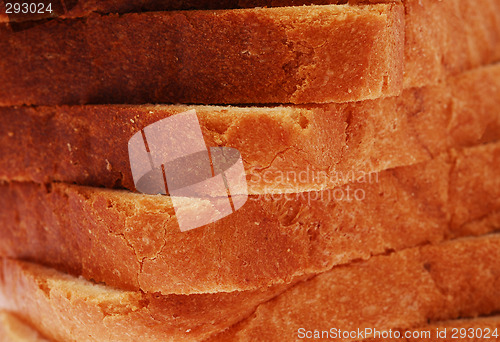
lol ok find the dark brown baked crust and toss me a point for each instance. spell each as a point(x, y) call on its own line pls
point(313, 54)
point(225, 62)
point(83, 8)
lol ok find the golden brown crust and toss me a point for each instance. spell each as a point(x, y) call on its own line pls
point(312, 54)
point(133, 241)
point(304, 142)
point(448, 37)
point(399, 291)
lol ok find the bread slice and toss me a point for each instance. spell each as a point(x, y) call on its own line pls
point(83, 8)
point(67, 308)
point(266, 65)
point(261, 55)
point(400, 291)
point(12, 329)
point(133, 241)
point(284, 149)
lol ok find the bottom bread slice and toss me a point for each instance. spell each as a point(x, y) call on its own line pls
point(463, 330)
point(466, 330)
point(67, 308)
point(13, 329)
point(402, 290)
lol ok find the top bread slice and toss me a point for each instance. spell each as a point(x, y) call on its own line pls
point(133, 241)
point(399, 291)
point(290, 55)
point(83, 8)
point(284, 149)
point(261, 55)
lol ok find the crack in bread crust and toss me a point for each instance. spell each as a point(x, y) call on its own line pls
point(268, 241)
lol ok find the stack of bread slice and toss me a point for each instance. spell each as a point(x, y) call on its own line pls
point(369, 131)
